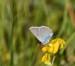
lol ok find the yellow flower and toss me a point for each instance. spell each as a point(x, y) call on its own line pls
point(58, 42)
point(62, 43)
point(54, 45)
point(55, 48)
point(52, 48)
point(46, 59)
point(45, 48)
point(48, 48)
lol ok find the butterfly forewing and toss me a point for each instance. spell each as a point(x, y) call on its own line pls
point(43, 33)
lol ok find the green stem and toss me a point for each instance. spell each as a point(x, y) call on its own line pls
point(64, 21)
point(13, 22)
point(53, 61)
point(68, 41)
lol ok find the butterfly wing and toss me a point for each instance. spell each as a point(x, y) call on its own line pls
point(43, 33)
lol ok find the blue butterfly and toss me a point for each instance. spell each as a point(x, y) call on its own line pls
point(43, 33)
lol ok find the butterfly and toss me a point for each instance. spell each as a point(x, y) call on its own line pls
point(42, 33)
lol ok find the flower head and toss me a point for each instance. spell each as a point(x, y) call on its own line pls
point(54, 45)
point(57, 43)
point(51, 49)
point(46, 59)
point(48, 48)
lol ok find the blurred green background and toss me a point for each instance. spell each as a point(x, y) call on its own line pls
point(19, 47)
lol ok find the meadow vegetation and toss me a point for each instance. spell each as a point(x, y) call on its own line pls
point(19, 47)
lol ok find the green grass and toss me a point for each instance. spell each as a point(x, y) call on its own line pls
point(18, 43)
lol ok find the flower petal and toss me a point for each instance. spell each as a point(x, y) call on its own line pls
point(46, 59)
point(50, 48)
point(55, 48)
point(44, 49)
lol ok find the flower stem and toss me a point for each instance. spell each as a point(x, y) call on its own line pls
point(67, 42)
point(53, 61)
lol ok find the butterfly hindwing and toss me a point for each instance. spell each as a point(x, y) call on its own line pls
point(43, 33)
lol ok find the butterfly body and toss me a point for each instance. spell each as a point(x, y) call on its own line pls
point(43, 33)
